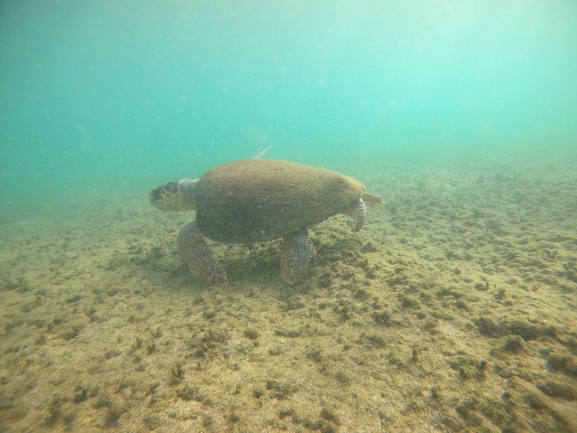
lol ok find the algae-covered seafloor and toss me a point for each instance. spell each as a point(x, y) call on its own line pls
point(454, 308)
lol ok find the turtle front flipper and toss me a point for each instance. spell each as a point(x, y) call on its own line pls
point(297, 251)
point(198, 256)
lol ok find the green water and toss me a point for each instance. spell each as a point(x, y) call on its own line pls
point(100, 95)
point(452, 310)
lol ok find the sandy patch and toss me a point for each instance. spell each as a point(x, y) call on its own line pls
point(454, 308)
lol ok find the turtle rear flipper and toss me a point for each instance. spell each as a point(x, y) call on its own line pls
point(298, 250)
point(359, 214)
point(198, 256)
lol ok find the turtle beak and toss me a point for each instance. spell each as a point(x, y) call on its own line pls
point(156, 197)
point(173, 196)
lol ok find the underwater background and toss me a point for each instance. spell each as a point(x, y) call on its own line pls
point(453, 309)
point(97, 94)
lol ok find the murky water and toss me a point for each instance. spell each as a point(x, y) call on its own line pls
point(453, 309)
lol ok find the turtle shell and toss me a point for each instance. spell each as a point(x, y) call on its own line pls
point(259, 200)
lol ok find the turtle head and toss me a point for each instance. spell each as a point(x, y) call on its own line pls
point(174, 196)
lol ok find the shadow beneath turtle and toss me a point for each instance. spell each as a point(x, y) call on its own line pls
point(253, 263)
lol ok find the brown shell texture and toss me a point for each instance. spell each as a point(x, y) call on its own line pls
point(258, 200)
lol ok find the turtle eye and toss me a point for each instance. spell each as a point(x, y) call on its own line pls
point(156, 194)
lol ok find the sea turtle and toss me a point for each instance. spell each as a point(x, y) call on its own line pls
point(257, 200)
